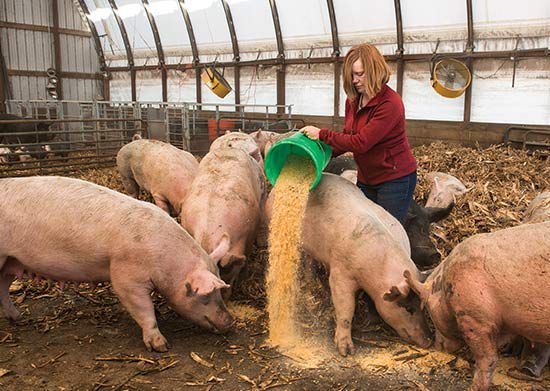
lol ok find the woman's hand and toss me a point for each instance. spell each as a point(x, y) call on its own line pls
point(311, 132)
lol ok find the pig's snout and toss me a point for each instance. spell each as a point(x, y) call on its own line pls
point(220, 327)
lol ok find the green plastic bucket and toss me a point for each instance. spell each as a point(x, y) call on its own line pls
point(297, 144)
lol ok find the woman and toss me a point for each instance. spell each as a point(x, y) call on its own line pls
point(374, 130)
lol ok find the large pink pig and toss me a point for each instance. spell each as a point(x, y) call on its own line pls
point(225, 199)
point(241, 141)
point(159, 168)
point(492, 286)
point(66, 229)
point(535, 358)
point(364, 247)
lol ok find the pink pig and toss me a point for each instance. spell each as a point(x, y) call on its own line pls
point(225, 199)
point(83, 232)
point(159, 168)
point(490, 288)
point(364, 248)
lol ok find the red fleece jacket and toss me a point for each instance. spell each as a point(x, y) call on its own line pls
point(376, 136)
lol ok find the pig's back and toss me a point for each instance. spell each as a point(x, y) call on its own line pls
point(68, 220)
point(155, 164)
point(510, 269)
point(340, 198)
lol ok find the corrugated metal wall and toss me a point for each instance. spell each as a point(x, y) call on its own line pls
point(27, 50)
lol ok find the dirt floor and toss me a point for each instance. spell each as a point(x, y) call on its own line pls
point(82, 339)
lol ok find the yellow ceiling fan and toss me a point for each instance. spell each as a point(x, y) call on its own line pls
point(450, 77)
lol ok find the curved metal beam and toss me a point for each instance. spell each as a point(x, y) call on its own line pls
point(156, 35)
point(234, 42)
point(470, 15)
point(124, 34)
point(469, 62)
point(400, 47)
point(190, 32)
point(160, 51)
point(334, 29)
point(194, 49)
point(277, 25)
point(129, 54)
point(97, 42)
point(399, 27)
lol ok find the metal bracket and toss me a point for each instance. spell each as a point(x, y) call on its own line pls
point(308, 58)
point(433, 59)
point(514, 58)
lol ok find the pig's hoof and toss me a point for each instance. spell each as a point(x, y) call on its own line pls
point(345, 346)
point(156, 342)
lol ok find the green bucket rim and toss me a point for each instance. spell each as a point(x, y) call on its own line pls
point(297, 144)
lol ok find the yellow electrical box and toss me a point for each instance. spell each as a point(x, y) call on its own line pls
point(215, 82)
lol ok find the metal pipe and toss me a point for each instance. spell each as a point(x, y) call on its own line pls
point(526, 53)
point(277, 25)
point(190, 32)
point(160, 51)
point(126, 41)
point(232, 33)
point(333, 29)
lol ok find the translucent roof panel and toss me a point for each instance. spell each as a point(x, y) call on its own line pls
point(181, 86)
point(504, 14)
point(104, 20)
point(310, 89)
point(426, 21)
point(209, 26)
point(120, 86)
point(259, 87)
point(171, 25)
point(366, 21)
point(420, 99)
point(257, 32)
point(138, 29)
point(148, 88)
point(495, 20)
point(304, 23)
point(494, 100)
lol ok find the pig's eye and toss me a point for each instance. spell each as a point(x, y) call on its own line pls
point(205, 300)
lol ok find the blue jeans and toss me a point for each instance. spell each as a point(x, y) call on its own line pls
point(394, 196)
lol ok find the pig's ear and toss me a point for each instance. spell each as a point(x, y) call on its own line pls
point(222, 249)
point(227, 132)
point(397, 292)
point(202, 282)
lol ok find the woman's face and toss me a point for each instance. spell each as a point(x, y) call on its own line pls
point(358, 76)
